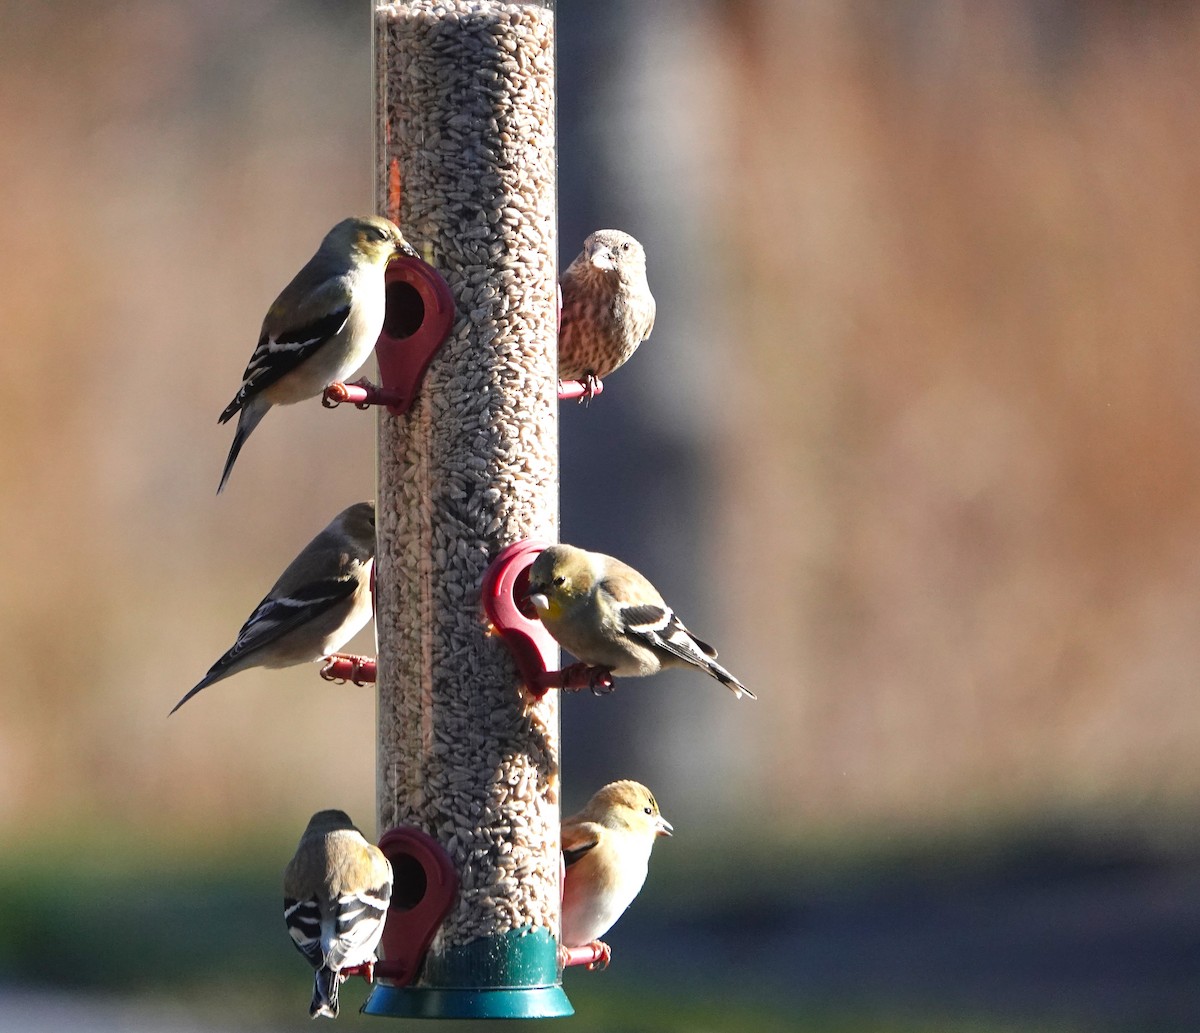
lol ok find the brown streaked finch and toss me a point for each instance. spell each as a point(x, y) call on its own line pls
point(607, 308)
point(335, 899)
point(610, 617)
point(321, 328)
point(320, 602)
point(606, 849)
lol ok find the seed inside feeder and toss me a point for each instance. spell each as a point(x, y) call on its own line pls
point(466, 151)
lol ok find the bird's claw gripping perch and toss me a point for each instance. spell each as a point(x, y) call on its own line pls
point(582, 390)
point(601, 963)
point(361, 393)
point(577, 677)
point(344, 667)
point(366, 970)
point(595, 955)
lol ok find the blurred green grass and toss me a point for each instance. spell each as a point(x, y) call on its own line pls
point(194, 928)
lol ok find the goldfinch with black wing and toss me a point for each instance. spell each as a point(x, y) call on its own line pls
point(611, 617)
point(320, 602)
point(336, 891)
point(321, 328)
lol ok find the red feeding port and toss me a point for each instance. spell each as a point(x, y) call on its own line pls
point(418, 319)
point(505, 591)
point(424, 884)
point(505, 587)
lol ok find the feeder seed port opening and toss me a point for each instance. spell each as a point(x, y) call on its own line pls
point(424, 883)
point(513, 619)
point(418, 317)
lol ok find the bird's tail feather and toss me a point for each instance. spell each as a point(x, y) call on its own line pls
point(218, 671)
point(248, 420)
point(726, 678)
point(325, 994)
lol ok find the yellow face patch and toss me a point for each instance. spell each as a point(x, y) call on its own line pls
point(552, 611)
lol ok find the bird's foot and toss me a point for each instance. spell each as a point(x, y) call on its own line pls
point(366, 970)
point(584, 676)
point(361, 392)
point(595, 955)
point(605, 956)
point(583, 390)
point(334, 395)
point(601, 682)
point(344, 667)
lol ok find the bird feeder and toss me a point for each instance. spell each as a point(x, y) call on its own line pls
point(465, 148)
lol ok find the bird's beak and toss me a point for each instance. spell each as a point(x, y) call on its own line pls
point(536, 594)
point(665, 828)
point(406, 249)
point(602, 257)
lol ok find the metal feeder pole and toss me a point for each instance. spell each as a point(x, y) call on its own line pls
point(465, 151)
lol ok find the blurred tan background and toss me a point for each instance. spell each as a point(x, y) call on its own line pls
point(167, 168)
point(915, 441)
point(968, 242)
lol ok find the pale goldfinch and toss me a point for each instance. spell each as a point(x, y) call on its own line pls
point(607, 308)
point(320, 602)
point(322, 326)
point(609, 616)
point(606, 848)
point(335, 899)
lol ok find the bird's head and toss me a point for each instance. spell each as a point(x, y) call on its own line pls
point(328, 821)
point(375, 238)
point(612, 251)
point(358, 520)
point(559, 575)
point(628, 805)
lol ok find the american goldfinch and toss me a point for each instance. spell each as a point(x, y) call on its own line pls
point(320, 602)
point(322, 326)
point(606, 847)
point(611, 617)
point(335, 899)
point(607, 308)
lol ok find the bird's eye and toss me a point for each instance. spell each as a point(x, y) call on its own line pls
point(648, 810)
point(375, 233)
point(625, 246)
point(560, 581)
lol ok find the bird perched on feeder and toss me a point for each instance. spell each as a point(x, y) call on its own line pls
point(322, 326)
point(606, 848)
point(335, 899)
point(607, 308)
point(320, 602)
point(609, 616)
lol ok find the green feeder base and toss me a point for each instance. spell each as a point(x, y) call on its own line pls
point(419, 1002)
point(513, 976)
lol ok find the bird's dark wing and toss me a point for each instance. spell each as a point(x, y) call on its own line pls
point(577, 839)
